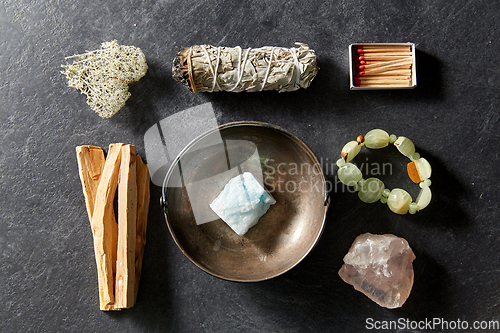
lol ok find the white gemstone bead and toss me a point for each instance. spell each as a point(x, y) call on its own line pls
point(350, 150)
point(426, 182)
point(424, 198)
point(399, 201)
point(419, 170)
point(405, 146)
point(424, 168)
point(371, 191)
point(349, 174)
point(376, 139)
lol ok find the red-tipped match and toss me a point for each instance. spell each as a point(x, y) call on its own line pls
point(361, 57)
point(362, 62)
point(360, 50)
point(361, 73)
point(361, 67)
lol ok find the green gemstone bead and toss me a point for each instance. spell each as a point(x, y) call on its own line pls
point(414, 157)
point(383, 200)
point(340, 162)
point(405, 146)
point(371, 190)
point(376, 139)
point(359, 184)
point(423, 198)
point(425, 183)
point(386, 193)
point(350, 150)
point(392, 138)
point(349, 174)
point(424, 168)
point(399, 201)
point(413, 208)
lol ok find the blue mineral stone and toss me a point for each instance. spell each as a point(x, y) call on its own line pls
point(242, 202)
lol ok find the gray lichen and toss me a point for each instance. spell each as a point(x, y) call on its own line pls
point(104, 75)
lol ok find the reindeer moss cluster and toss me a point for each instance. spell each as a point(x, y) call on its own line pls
point(104, 75)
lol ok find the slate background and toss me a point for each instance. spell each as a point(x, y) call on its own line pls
point(48, 280)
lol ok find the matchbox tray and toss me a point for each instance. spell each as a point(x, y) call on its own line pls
point(382, 66)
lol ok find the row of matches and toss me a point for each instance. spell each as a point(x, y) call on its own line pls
point(383, 66)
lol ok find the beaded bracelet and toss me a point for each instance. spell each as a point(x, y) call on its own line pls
point(373, 189)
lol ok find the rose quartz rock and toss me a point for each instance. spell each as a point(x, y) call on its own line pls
point(380, 266)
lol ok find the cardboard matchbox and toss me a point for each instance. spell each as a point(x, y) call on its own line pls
point(354, 71)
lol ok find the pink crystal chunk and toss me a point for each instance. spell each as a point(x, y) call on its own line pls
point(380, 266)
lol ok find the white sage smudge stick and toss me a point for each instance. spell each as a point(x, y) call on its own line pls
point(207, 68)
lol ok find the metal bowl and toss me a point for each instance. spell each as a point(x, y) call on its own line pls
point(282, 237)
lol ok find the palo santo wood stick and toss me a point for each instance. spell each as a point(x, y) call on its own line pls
point(105, 232)
point(90, 165)
point(143, 197)
point(127, 219)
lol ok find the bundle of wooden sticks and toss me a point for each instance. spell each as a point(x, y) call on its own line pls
point(118, 247)
point(383, 65)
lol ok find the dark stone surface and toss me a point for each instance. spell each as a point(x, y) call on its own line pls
point(48, 277)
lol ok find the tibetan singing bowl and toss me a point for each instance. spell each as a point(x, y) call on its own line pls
point(282, 237)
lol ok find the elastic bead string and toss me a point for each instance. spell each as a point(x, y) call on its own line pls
point(373, 189)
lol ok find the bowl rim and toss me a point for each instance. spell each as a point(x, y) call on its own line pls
point(164, 201)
